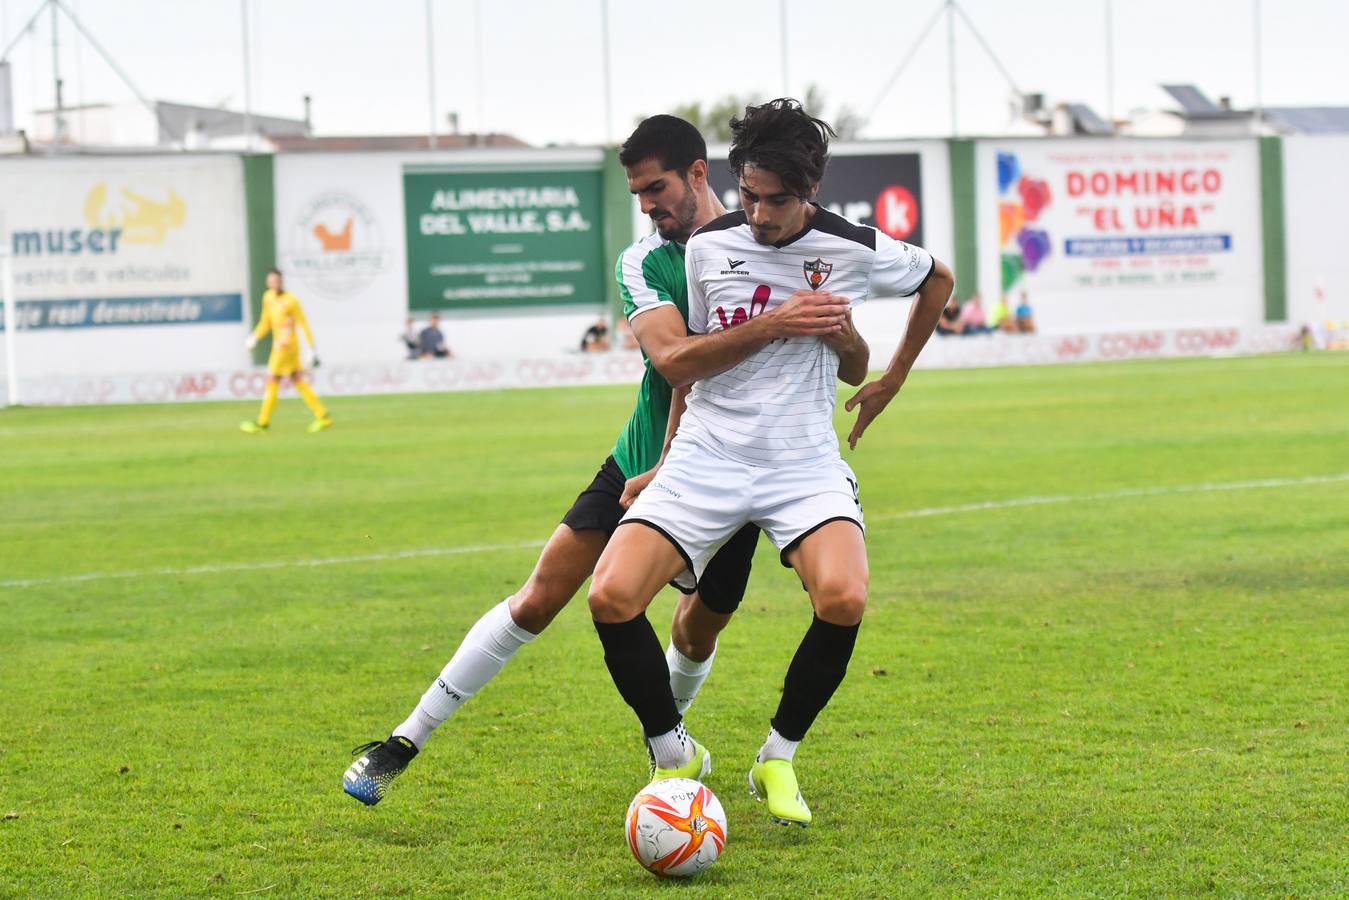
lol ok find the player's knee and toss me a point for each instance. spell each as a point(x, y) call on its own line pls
point(690, 637)
point(841, 600)
point(609, 602)
point(536, 604)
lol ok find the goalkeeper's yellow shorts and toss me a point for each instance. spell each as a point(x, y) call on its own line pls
point(284, 362)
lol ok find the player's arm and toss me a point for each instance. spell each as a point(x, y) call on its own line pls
point(637, 483)
point(898, 272)
point(264, 325)
point(683, 358)
point(303, 322)
point(854, 356)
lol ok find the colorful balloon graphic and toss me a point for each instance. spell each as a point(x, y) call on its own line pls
point(1034, 196)
point(1023, 248)
point(1034, 247)
point(1011, 270)
point(1010, 220)
point(1009, 170)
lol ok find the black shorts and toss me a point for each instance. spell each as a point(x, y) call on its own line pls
point(723, 583)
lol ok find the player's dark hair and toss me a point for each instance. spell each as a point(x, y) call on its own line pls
point(781, 137)
point(275, 272)
point(675, 143)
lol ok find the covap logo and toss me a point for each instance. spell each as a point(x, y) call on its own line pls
point(336, 245)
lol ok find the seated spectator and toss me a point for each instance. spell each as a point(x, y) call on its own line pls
point(409, 339)
point(596, 337)
point(1025, 319)
point(972, 316)
point(949, 323)
point(1000, 319)
point(431, 342)
point(626, 339)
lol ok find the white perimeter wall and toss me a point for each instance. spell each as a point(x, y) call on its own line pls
point(181, 224)
point(358, 315)
point(1316, 222)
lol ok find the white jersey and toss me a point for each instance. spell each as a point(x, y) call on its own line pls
point(776, 408)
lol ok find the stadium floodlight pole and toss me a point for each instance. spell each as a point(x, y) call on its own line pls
point(11, 325)
point(481, 122)
point(987, 48)
point(951, 59)
point(905, 59)
point(248, 77)
point(117, 70)
point(1259, 85)
point(1110, 63)
point(59, 122)
point(608, 89)
point(431, 75)
point(22, 32)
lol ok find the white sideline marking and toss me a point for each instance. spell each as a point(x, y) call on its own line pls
point(486, 548)
point(272, 564)
point(1111, 495)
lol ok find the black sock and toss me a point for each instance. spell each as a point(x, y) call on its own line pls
point(816, 671)
point(637, 664)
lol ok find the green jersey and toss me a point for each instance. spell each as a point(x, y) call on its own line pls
point(650, 273)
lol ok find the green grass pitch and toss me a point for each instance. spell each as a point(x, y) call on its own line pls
point(1106, 652)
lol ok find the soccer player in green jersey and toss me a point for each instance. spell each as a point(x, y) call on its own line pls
point(666, 164)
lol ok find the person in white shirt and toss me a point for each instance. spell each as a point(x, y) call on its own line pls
point(756, 443)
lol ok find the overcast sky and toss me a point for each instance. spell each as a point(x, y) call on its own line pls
point(539, 73)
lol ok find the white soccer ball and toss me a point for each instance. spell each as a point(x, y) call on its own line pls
point(676, 827)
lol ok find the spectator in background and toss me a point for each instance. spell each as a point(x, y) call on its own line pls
point(431, 342)
point(626, 339)
point(949, 323)
point(1000, 318)
point(972, 316)
point(410, 339)
point(1025, 319)
point(596, 337)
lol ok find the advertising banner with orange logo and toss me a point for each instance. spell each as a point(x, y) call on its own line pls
point(124, 241)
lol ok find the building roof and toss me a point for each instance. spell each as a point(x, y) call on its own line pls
point(394, 142)
point(1086, 121)
point(180, 118)
point(1195, 105)
point(1309, 119)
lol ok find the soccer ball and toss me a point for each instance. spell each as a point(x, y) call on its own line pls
point(676, 827)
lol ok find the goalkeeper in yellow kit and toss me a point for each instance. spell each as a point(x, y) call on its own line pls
point(282, 316)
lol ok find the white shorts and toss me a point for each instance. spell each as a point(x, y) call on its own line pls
point(699, 499)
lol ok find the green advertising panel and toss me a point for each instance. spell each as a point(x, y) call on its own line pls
point(484, 240)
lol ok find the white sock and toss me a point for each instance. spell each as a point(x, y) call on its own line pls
point(777, 747)
point(485, 650)
point(686, 676)
point(671, 749)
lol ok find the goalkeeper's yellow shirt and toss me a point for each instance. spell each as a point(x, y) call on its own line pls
point(281, 312)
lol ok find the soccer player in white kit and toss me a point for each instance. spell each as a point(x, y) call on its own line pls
point(756, 443)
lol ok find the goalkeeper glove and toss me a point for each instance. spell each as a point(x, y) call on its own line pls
point(308, 355)
point(250, 342)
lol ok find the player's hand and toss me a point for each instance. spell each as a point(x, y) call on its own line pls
point(308, 355)
point(250, 342)
point(869, 402)
point(846, 338)
point(634, 486)
point(809, 313)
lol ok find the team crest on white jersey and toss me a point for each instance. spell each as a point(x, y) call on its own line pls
point(817, 272)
